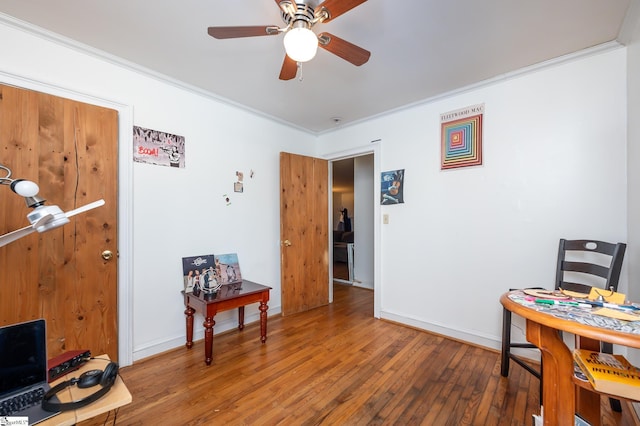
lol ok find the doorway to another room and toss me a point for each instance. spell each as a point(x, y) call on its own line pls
point(352, 217)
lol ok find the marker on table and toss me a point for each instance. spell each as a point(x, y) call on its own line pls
point(614, 306)
point(562, 302)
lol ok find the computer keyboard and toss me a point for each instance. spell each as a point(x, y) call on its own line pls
point(21, 402)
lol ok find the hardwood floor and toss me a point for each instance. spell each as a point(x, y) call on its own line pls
point(340, 270)
point(334, 365)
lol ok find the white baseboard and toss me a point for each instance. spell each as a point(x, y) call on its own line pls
point(363, 284)
point(154, 348)
point(470, 336)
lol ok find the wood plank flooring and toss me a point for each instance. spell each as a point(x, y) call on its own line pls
point(341, 270)
point(334, 365)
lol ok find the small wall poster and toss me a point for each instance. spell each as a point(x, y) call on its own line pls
point(392, 188)
point(461, 137)
point(160, 148)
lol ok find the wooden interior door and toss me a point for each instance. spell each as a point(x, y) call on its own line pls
point(304, 223)
point(70, 150)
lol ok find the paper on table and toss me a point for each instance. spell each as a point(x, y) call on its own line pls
point(545, 294)
point(574, 294)
point(614, 313)
point(609, 297)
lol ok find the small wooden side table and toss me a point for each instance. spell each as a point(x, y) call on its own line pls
point(229, 296)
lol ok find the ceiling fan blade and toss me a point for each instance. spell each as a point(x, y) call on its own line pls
point(85, 208)
point(16, 235)
point(335, 8)
point(237, 32)
point(47, 221)
point(342, 48)
point(289, 69)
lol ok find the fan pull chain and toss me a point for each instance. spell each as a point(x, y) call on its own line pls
point(300, 78)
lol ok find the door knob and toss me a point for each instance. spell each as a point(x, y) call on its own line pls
point(287, 243)
point(107, 254)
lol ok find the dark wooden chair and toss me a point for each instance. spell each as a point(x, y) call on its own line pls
point(582, 265)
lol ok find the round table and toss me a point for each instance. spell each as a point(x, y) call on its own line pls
point(560, 399)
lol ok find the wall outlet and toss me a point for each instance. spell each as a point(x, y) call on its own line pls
point(385, 219)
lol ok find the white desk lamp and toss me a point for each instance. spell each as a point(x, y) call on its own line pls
point(42, 218)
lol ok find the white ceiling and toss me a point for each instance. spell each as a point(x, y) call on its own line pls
point(420, 49)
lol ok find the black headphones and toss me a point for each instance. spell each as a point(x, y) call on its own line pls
point(90, 378)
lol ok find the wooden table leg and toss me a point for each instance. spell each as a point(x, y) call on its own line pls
point(208, 339)
point(189, 313)
point(587, 402)
point(263, 320)
point(558, 391)
point(241, 318)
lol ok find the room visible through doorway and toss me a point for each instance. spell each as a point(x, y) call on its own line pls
point(352, 220)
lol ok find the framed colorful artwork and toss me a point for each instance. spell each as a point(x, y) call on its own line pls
point(461, 137)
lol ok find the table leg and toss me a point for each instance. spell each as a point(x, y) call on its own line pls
point(240, 317)
point(558, 392)
point(208, 339)
point(263, 321)
point(189, 313)
point(587, 402)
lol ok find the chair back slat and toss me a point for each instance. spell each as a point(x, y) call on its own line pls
point(586, 268)
point(580, 288)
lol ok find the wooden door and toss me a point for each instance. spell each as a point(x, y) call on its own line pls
point(70, 150)
point(304, 223)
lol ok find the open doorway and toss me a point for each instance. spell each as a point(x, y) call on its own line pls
point(353, 221)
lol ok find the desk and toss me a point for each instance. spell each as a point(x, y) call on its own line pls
point(229, 296)
point(116, 397)
point(560, 398)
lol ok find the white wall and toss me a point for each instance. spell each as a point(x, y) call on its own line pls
point(554, 166)
point(363, 226)
point(176, 212)
point(633, 175)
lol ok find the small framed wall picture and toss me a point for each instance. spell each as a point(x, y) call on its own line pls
point(392, 188)
point(461, 137)
point(159, 148)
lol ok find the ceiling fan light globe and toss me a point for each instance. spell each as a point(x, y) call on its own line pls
point(26, 188)
point(301, 44)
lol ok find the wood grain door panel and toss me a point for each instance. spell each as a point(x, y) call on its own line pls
point(70, 150)
point(304, 222)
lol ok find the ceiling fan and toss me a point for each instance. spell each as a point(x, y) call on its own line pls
point(42, 218)
point(300, 42)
